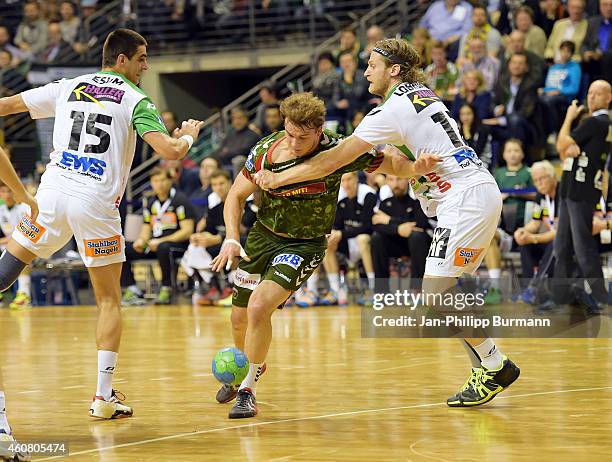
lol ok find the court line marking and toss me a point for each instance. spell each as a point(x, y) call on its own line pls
point(300, 419)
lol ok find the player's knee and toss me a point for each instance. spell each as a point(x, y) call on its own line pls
point(259, 311)
point(10, 269)
point(239, 319)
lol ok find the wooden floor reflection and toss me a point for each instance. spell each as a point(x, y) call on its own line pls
point(328, 395)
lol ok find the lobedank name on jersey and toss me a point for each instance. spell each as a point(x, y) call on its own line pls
point(111, 94)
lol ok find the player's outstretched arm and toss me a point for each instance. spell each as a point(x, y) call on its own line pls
point(177, 146)
point(318, 167)
point(12, 105)
point(231, 249)
point(9, 177)
point(396, 163)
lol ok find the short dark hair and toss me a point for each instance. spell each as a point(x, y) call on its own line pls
point(156, 171)
point(571, 46)
point(219, 172)
point(273, 106)
point(121, 42)
point(271, 86)
point(326, 55)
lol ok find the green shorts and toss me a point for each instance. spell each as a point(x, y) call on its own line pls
point(288, 262)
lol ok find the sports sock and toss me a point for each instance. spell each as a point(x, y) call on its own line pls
point(334, 282)
point(107, 361)
point(490, 356)
point(494, 275)
point(371, 280)
point(474, 358)
point(250, 381)
point(313, 283)
point(24, 284)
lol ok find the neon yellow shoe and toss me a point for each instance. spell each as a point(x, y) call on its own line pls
point(22, 301)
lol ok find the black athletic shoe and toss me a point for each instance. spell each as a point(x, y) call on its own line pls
point(226, 393)
point(246, 405)
point(484, 384)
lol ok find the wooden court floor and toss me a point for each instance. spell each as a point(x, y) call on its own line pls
point(328, 394)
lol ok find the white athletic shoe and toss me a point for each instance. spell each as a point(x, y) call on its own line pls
point(111, 409)
point(7, 454)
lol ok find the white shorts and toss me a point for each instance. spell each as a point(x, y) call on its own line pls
point(97, 230)
point(466, 226)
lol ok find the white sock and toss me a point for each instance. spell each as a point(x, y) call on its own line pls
point(313, 283)
point(107, 361)
point(334, 281)
point(490, 356)
point(371, 280)
point(24, 283)
point(494, 275)
point(250, 381)
point(4, 425)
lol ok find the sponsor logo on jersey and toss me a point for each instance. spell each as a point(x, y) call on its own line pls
point(422, 98)
point(439, 243)
point(105, 247)
point(466, 157)
point(87, 166)
point(246, 280)
point(464, 256)
point(249, 165)
point(289, 259)
point(442, 185)
point(313, 188)
point(92, 93)
point(30, 229)
point(282, 276)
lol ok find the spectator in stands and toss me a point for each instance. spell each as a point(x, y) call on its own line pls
point(421, 41)
point(186, 180)
point(5, 44)
point(597, 46)
point(325, 80)
point(11, 81)
point(400, 230)
point(57, 51)
point(472, 91)
point(480, 60)
point(476, 135)
point(581, 150)
point(351, 91)
point(238, 141)
point(11, 214)
point(515, 176)
point(199, 198)
point(480, 29)
point(573, 28)
point(273, 120)
point(373, 35)
point(206, 243)
point(168, 222)
point(561, 87)
point(516, 44)
point(268, 94)
point(507, 11)
point(92, 31)
point(515, 101)
point(348, 43)
point(535, 239)
point(448, 21)
point(441, 74)
point(350, 235)
point(550, 12)
point(535, 38)
point(70, 22)
point(32, 31)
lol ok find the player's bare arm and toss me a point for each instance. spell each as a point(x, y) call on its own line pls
point(9, 177)
point(396, 163)
point(317, 167)
point(175, 147)
point(12, 105)
point(231, 249)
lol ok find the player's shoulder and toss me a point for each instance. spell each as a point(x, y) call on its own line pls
point(418, 94)
point(261, 148)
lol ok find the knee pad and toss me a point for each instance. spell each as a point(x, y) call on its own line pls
point(10, 269)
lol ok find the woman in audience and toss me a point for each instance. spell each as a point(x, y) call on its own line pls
point(473, 92)
point(475, 134)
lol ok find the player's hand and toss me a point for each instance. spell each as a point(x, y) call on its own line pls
point(139, 245)
point(425, 163)
point(24, 197)
point(572, 151)
point(266, 180)
point(574, 110)
point(229, 255)
point(190, 127)
point(154, 244)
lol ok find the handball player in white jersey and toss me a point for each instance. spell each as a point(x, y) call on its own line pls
point(97, 119)
point(459, 190)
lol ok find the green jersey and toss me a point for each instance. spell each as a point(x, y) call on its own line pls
point(303, 210)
